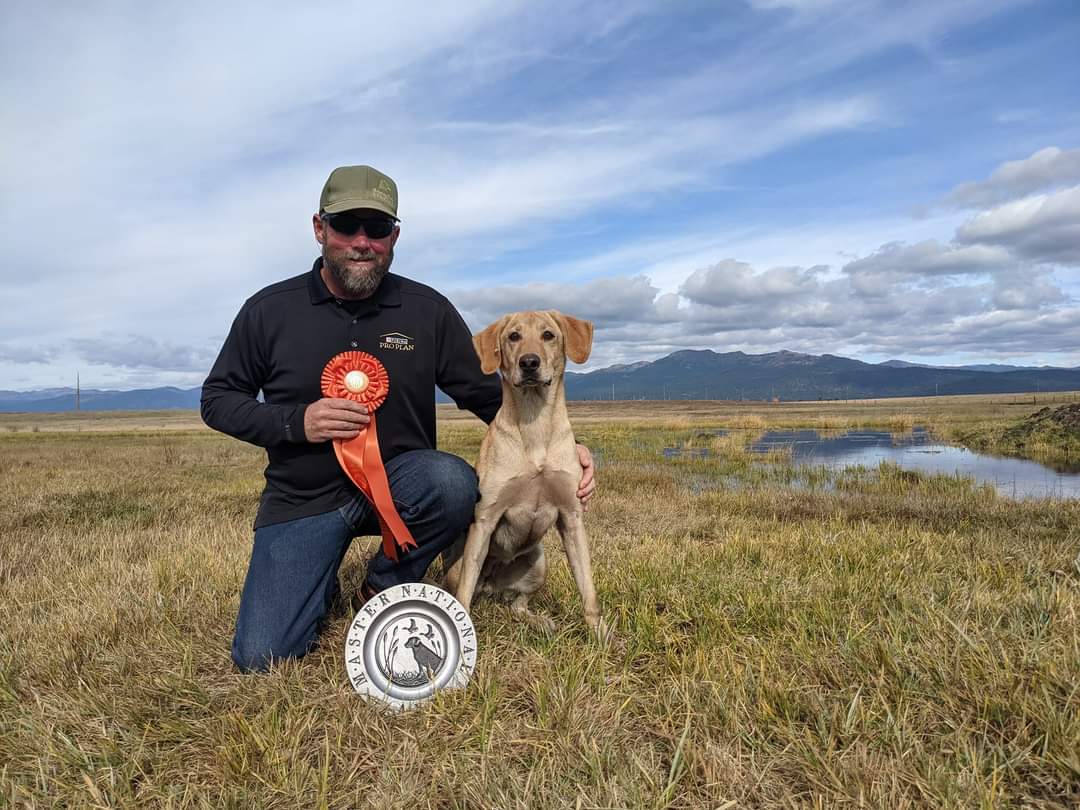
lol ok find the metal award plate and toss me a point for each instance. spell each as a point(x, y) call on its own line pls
point(409, 642)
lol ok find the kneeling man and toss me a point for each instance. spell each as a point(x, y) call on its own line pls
point(278, 345)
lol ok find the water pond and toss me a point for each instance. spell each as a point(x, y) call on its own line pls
point(917, 451)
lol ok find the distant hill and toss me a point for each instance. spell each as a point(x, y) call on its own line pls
point(705, 374)
point(687, 374)
point(994, 367)
point(63, 399)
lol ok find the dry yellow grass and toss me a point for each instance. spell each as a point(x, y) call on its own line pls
point(874, 638)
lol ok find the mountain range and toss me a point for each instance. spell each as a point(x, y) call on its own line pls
point(705, 374)
point(686, 374)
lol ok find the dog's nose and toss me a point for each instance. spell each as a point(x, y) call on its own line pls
point(529, 362)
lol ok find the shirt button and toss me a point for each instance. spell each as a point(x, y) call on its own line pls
point(354, 344)
point(354, 320)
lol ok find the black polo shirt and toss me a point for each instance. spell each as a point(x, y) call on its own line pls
point(281, 340)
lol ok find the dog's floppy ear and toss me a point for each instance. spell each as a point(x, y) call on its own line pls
point(486, 344)
point(577, 334)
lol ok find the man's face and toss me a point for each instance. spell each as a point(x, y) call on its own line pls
point(357, 262)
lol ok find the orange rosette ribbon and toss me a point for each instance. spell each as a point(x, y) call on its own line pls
point(362, 378)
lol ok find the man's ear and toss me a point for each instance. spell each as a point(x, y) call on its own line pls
point(486, 344)
point(577, 334)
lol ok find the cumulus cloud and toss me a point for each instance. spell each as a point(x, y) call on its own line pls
point(609, 301)
point(731, 282)
point(1048, 168)
point(927, 298)
point(896, 263)
point(1034, 291)
point(1042, 228)
point(13, 352)
point(109, 360)
point(141, 352)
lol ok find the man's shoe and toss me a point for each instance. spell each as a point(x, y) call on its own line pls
point(360, 597)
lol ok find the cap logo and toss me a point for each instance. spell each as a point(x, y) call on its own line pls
point(384, 191)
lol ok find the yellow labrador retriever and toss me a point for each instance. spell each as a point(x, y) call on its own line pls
point(528, 468)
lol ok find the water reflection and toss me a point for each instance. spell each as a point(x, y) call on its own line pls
point(1012, 477)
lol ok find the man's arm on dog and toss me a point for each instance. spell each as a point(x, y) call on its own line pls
point(588, 483)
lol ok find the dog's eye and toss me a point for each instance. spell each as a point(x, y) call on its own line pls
point(548, 335)
point(514, 337)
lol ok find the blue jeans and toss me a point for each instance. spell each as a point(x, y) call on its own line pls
point(292, 579)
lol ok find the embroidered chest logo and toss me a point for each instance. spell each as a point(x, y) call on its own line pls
point(397, 342)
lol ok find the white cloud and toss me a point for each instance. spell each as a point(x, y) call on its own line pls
point(610, 301)
point(730, 282)
point(1048, 168)
point(1043, 228)
point(897, 264)
point(929, 295)
point(19, 352)
point(1034, 291)
point(143, 352)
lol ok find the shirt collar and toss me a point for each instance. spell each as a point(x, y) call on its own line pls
point(387, 295)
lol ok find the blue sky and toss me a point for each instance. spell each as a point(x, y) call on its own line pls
point(872, 179)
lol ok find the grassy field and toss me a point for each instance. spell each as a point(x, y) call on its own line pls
point(872, 638)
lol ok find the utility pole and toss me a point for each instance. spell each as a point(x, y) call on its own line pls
point(78, 392)
point(613, 392)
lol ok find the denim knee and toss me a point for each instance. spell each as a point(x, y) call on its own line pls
point(443, 487)
point(287, 590)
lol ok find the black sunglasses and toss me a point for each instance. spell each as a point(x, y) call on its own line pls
point(350, 224)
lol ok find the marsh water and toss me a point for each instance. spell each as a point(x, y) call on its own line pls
point(917, 451)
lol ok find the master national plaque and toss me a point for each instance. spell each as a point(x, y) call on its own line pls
point(407, 643)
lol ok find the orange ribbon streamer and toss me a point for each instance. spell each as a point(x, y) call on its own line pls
point(362, 378)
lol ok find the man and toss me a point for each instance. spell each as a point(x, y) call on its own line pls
point(279, 344)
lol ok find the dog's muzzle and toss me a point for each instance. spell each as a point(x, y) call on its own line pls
point(529, 371)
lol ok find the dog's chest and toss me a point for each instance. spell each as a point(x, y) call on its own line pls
point(530, 506)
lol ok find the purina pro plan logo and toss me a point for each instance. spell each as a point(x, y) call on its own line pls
point(395, 341)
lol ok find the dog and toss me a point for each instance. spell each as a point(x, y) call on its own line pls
point(528, 469)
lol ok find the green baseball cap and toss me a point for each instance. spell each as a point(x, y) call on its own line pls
point(350, 187)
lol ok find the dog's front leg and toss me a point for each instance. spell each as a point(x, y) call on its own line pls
point(472, 559)
point(576, 544)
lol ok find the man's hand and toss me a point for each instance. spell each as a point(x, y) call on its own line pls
point(587, 486)
point(334, 419)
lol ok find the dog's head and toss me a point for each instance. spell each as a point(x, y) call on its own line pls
point(530, 348)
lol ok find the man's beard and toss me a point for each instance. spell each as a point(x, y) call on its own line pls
point(356, 282)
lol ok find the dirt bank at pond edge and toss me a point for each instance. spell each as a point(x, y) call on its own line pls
point(1049, 435)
